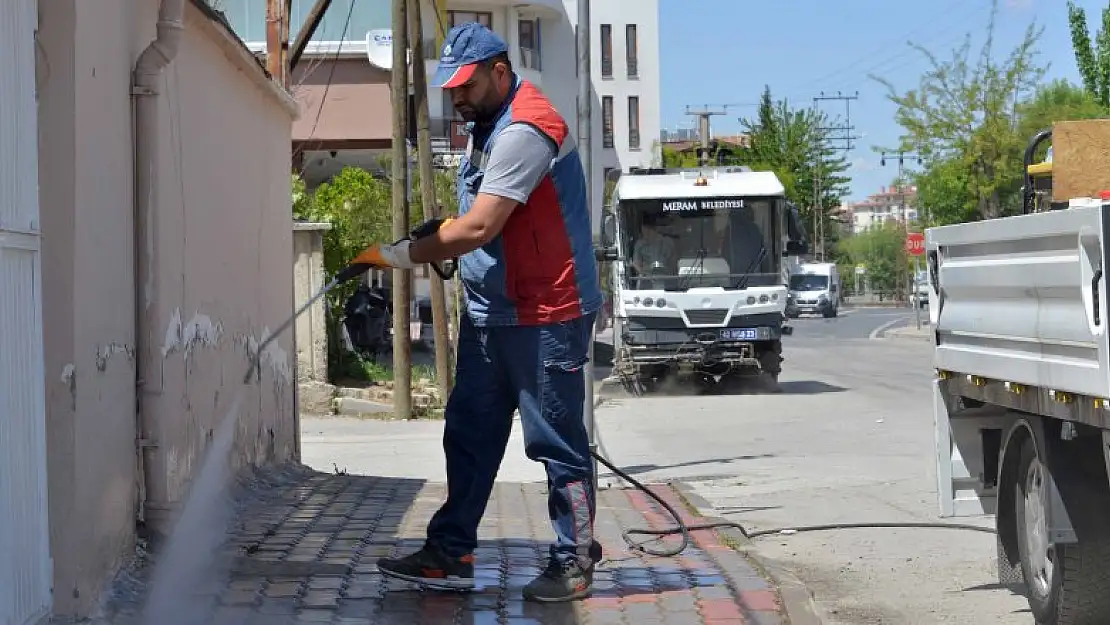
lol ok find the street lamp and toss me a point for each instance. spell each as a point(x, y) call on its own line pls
point(902, 156)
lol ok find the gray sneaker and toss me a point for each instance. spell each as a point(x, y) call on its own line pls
point(560, 581)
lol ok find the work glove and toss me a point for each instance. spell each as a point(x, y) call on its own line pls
point(383, 256)
point(396, 255)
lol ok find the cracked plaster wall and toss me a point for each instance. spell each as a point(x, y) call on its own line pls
point(223, 248)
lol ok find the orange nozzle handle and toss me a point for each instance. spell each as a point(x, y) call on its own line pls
point(370, 256)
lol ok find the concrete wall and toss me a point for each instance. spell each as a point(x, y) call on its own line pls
point(308, 279)
point(222, 249)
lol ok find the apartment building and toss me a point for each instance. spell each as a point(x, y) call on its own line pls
point(893, 203)
point(625, 55)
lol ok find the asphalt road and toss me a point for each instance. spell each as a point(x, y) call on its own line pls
point(850, 440)
point(852, 323)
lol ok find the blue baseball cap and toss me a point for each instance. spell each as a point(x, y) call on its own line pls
point(464, 48)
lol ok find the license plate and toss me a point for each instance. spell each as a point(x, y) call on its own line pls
point(738, 334)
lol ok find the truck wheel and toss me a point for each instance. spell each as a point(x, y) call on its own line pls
point(770, 364)
point(831, 312)
point(1066, 584)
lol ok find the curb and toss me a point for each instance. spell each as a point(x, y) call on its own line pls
point(797, 601)
point(908, 334)
point(603, 390)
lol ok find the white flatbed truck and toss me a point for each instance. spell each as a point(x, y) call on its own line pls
point(1022, 393)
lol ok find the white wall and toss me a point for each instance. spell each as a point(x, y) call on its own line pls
point(619, 13)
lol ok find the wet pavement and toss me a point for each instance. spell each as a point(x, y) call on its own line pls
point(305, 545)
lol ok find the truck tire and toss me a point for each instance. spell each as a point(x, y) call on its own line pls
point(1066, 584)
point(833, 311)
point(770, 364)
point(1009, 572)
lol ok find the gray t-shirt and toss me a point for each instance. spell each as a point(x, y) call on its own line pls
point(519, 160)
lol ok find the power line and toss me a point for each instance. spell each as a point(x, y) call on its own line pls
point(847, 128)
point(821, 141)
point(301, 149)
point(941, 29)
point(704, 115)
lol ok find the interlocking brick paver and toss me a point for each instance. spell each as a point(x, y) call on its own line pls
point(304, 552)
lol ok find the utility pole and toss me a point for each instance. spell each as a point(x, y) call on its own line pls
point(428, 192)
point(705, 137)
point(902, 156)
point(402, 279)
point(842, 132)
point(277, 25)
point(585, 154)
point(286, 25)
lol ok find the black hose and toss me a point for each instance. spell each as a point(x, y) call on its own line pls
point(684, 530)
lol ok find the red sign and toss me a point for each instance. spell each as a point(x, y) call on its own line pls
point(459, 134)
point(915, 243)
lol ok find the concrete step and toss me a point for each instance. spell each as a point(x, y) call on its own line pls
point(353, 407)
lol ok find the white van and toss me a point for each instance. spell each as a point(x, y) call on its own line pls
point(814, 289)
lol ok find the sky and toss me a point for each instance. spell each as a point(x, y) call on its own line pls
point(801, 48)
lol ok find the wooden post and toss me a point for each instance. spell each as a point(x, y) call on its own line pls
point(286, 25)
point(274, 9)
point(428, 190)
point(402, 279)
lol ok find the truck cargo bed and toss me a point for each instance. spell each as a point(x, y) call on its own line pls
point(1023, 299)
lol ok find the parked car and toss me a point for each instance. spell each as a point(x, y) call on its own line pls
point(921, 291)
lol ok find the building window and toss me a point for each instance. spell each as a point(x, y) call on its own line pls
point(607, 121)
point(454, 18)
point(528, 32)
point(606, 50)
point(630, 50)
point(633, 122)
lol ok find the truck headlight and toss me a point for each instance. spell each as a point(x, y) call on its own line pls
point(763, 299)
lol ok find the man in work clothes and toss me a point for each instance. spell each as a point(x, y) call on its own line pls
point(525, 249)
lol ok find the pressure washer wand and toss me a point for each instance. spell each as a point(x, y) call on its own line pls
point(257, 358)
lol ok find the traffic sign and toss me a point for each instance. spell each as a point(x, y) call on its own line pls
point(915, 243)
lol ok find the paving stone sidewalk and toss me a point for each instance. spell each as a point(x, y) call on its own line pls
point(304, 550)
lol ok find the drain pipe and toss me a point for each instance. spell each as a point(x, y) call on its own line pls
point(144, 91)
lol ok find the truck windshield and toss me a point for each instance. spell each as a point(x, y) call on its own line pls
point(808, 282)
point(705, 242)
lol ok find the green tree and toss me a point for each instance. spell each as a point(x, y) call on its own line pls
point(964, 115)
point(794, 144)
point(944, 193)
point(881, 249)
point(1057, 101)
point(1093, 62)
point(358, 206)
